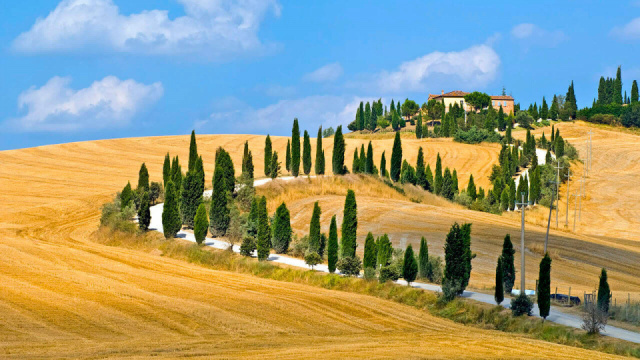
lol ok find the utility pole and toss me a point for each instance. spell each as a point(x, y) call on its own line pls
point(522, 207)
point(566, 223)
point(582, 190)
point(575, 209)
point(553, 195)
point(558, 167)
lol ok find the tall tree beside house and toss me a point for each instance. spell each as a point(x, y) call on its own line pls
point(419, 127)
point(423, 259)
point(144, 212)
point(338, 152)
point(281, 229)
point(438, 176)
point(544, 109)
point(553, 110)
point(166, 170)
point(306, 153)
point(200, 224)
point(264, 231)
point(499, 290)
point(349, 225)
point(268, 151)
point(471, 188)
point(508, 132)
point(319, 154)
point(370, 252)
point(193, 152)
point(295, 148)
point(604, 292)
point(314, 229)
point(143, 178)
point(332, 247)
point(502, 124)
point(544, 286)
point(634, 92)
point(368, 166)
point(219, 214)
point(508, 264)
point(383, 165)
point(171, 223)
point(363, 159)
point(288, 156)
point(410, 266)
point(421, 176)
point(396, 158)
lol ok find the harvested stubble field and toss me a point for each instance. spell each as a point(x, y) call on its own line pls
point(66, 296)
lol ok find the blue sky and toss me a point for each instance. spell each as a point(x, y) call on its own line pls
point(78, 70)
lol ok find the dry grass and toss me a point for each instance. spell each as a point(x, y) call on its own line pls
point(66, 296)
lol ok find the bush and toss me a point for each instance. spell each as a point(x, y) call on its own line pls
point(451, 289)
point(435, 264)
point(312, 259)
point(387, 273)
point(369, 273)
point(116, 219)
point(350, 266)
point(594, 319)
point(299, 247)
point(462, 198)
point(476, 136)
point(607, 119)
point(248, 246)
point(521, 305)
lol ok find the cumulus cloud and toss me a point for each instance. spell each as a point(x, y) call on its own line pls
point(534, 35)
point(630, 31)
point(107, 103)
point(472, 67)
point(213, 29)
point(276, 118)
point(327, 73)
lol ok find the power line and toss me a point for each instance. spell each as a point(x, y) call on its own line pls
point(522, 206)
point(568, 176)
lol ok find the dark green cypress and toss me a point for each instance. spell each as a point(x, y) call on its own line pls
point(223, 159)
point(467, 255)
point(314, 229)
point(349, 225)
point(332, 247)
point(447, 185)
point(437, 188)
point(423, 259)
point(338, 152)
point(396, 158)
point(144, 213)
point(190, 198)
point(544, 286)
point(370, 252)
point(171, 223)
point(634, 92)
point(362, 119)
point(176, 174)
point(410, 266)
point(126, 196)
point(498, 295)
point(143, 178)
point(247, 162)
point(502, 124)
point(419, 127)
point(471, 188)
point(455, 267)
point(363, 159)
point(508, 131)
point(264, 232)
point(281, 229)
point(355, 166)
point(508, 264)
point(268, 151)
point(219, 214)
point(429, 179)
point(200, 224)
point(421, 176)
point(166, 170)
point(368, 166)
point(295, 148)
point(288, 156)
point(383, 165)
point(275, 165)
point(193, 151)
point(306, 153)
point(319, 153)
point(604, 292)
point(454, 182)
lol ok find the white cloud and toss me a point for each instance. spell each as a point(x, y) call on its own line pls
point(311, 111)
point(472, 67)
point(327, 73)
point(630, 31)
point(275, 90)
point(534, 35)
point(107, 103)
point(212, 29)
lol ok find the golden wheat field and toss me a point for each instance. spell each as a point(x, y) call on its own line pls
point(66, 296)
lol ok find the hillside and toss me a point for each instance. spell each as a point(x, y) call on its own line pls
point(64, 295)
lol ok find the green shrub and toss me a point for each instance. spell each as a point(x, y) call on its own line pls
point(389, 273)
point(369, 273)
point(350, 266)
point(248, 246)
point(115, 218)
point(521, 305)
point(475, 136)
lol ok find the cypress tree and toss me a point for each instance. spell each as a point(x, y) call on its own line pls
point(306, 153)
point(471, 188)
point(618, 86)
point(349, 225)
point(268, 151)
point(508, 264)
point(367, 116)
point(423, 259)
point(338, 152)
point(176, 174)
point(361, 119)
point(502, 125)
point(144, 213)
point(396, 158)
point(370, 252)
point(544, 109)
point(288, 156)
point(171, 223)
point(363, 159)
point(143, 178)
point(355, 167)
point(447, 185)
point(373, 122)
point(438, 176)
point(264, 232)
point(295, 148)
point(166, 170)
point(275, 165)
point(419, 127)
point(281, 229)
point(559, 147)
point(421, 176)
point(247, 162)
point(126, 196)
point(499, 291)
point(223, 159)
point(190, 197)
point(319, 153)
point(504, 199)
point(634, 92)
point(410, 268)
point(219, 213)
point(200, 224)
point(454, 181)
point(383, 165)
point(604, 292)
point(332, 247)
point(455, 267)
point(314, 229)
point(368, 166)
point(193, 151)
point(429, 179)
point(544, 286)
point(553, 111)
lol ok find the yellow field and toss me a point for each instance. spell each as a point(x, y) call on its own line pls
point(65, 296)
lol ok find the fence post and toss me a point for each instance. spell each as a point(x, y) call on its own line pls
point(569, 297)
